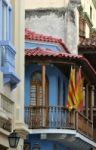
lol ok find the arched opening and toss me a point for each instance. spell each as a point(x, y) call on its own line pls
point(39, 105)
point(36, 90)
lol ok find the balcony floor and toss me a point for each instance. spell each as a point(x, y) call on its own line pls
point(70, 138)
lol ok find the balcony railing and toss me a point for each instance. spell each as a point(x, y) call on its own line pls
point(57, 118)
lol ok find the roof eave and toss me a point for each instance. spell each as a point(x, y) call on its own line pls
point(83, 62)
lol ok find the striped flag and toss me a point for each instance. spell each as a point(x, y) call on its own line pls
point(71, 99)
point(79, 91)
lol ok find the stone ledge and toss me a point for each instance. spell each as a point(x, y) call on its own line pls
point(21, 129)
point(3, 116)
point(12, 79)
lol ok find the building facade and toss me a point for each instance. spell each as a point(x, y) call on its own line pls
point(9, 75)
point(55, 18)
point(47, 71)
point(87, 41)
point(87, 25)
point(48, 62)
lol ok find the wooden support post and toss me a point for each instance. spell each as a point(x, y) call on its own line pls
point(92, 102)
point(92, 105)
point(86, 101)
point(93, 95)
point(43, 84)
point(43, 95)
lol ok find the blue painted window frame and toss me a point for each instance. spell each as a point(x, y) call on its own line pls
point(2, 56)
point(8, 20)
point(10, 24)
point(4, 21)
point(7, 62)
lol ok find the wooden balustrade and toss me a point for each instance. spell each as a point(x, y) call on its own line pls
point(84, 125)
point(58, 118)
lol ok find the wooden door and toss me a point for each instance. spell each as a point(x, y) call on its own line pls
point(36, 94)
point(39, 111)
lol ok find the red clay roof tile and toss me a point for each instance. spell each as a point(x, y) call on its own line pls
point(87, 43)
point(47, 52)
point(38, 52)
point(29, 35)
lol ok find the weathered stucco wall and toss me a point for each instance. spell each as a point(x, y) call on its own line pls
point(60, 23)
point(48, 22)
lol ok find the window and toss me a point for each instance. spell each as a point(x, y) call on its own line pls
point(4, 21)
point(36, 147)
point(36, 90)
point(39, 114)
point(10, 24)
point(90, 12)
point(2, 56)
point(81, 27)
point(7, 58)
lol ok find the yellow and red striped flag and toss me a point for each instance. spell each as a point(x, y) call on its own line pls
point(79, 91)
point(71, 99)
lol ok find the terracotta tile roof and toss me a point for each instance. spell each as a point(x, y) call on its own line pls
point(47, 52)
point(88, 43)
point(78, 59)
point(29, 35)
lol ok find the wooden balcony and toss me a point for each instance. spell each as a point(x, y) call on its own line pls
point(57, 118)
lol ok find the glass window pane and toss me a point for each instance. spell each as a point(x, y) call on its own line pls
point(37, 76)
point(10, 24)
point(4, 21)
point(2, 55)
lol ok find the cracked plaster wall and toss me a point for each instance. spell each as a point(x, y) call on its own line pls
point(60, 23)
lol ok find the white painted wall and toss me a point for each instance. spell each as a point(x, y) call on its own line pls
point(18, 42)
point(32, 4)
